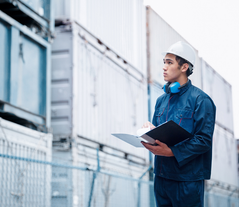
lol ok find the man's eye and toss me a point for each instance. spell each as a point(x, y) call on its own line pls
point(170, 63)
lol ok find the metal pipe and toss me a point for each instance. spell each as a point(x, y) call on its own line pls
point(229, 197)
point(69, 166)
point(94, 177)
point(207, 194)
point(103, 145)
point(139, 184)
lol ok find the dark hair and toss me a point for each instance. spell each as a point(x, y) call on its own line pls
point(181, 61)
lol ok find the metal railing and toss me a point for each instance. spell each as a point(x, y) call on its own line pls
point(29, 182)
point(36, 183)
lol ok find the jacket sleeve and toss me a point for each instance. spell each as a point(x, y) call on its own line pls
point(158, 102)
point(201, 142)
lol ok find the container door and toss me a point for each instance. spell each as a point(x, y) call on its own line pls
point(4, 61)
point(32, 76)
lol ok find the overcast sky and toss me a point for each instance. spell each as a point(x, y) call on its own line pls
point(212, 27)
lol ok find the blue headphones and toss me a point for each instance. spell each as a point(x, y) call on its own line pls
point(173, 87)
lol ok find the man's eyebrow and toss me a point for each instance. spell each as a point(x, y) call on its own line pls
point(167, 59)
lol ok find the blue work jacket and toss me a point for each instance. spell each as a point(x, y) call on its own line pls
point(195, 111)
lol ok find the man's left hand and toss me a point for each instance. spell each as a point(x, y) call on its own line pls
point(160, 149)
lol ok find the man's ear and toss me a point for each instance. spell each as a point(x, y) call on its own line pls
point(185, 67)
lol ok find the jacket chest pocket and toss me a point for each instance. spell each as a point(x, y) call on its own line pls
point(159, 116)
point(185, 119)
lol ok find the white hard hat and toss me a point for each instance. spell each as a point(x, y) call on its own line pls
point(182, 50)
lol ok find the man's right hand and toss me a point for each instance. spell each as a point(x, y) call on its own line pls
point(148, 124)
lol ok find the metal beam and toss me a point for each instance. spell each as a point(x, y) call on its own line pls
point(24, 29)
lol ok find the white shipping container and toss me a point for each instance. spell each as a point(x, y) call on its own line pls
point(160, 36)
point(84, 154)
point(224, 162)
point(118, 24)
point(221, 93)
point(94, 93)
point(155, 91)
point(24, 182)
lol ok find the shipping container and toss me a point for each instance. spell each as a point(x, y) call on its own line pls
point(41, 7)
point(112, 173)
point(155, 91)
point(24, 183)
point(24, 74)
point(160, 36)
point(94, 93)
point(118, 24)
point(35, 14)
point(221, 93)
point(224, 164)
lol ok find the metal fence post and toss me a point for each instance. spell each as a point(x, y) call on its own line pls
point(94, 177)
point(139, 185)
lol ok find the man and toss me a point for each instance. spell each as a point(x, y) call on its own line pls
point(180, 170)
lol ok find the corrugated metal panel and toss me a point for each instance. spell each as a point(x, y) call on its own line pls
point(4, 61)
point(61, 98)
point(221, 93)
point(155, 90)
point(224, 164)
point(31, 92)
point(71, 185)
point(106, 99)
point(119, 24)
point(32, 14)
point(41, 7)
point(24, 183)
point(160, 36)
point(25, 68)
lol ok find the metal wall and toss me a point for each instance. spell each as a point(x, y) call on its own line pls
point(83, 187)
point(41, 7)
point(224, 164)
point(4, 60)
point(118, 24)
point(160, 36)
point(155, 90)
point(25, 72)
point(94, 93)
point(221, 93)
point(24, 183)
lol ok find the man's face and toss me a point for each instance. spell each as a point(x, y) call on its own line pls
point(171, 68)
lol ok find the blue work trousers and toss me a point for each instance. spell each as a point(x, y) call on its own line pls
point(171, 193)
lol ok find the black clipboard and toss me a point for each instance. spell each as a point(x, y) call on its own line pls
point(169, 133)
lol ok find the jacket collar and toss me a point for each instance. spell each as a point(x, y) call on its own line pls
point(185, 87)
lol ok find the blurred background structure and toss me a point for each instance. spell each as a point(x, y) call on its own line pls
point(72, 73)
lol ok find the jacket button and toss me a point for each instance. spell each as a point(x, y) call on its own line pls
point(181, 115)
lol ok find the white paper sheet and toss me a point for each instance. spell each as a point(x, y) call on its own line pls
point(131, 139)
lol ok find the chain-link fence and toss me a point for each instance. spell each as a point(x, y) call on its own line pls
point(27, 182)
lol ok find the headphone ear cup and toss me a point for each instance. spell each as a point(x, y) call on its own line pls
point(174, 87)
point(166, 87)
point(171, 87)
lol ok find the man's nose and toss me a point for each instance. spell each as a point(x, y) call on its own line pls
point(164, 67)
